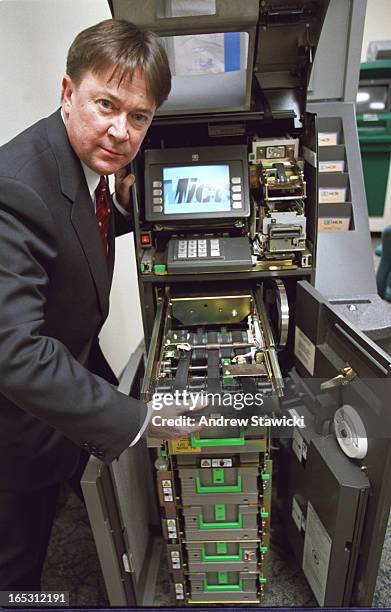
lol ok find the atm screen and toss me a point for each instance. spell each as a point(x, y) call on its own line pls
point(196, 189)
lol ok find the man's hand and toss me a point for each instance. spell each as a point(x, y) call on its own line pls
point(164, 427)
point(123, 183)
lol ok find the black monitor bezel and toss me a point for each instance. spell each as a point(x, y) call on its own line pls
point(235, 156)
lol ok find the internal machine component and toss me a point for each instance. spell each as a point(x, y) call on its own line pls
point(215, 496)
point(218, 343)
point(204, 214)
point(281, 227)
point(215, 487)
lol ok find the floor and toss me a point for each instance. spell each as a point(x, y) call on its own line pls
point(72, 563)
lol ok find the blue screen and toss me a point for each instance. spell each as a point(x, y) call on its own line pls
point(196, 189)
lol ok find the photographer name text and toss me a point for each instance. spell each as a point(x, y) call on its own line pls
point(222, 421)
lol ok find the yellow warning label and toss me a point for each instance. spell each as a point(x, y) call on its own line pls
point(182, 445)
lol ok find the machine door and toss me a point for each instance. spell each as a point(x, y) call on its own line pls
point(335, 475)
point(120, 501)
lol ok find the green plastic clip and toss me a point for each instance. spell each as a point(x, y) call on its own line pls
point(221, 524)
point(159, 268)
point(222, 577)
point(219, 512)
point(221, 548)
point(218, 475)
point(221, 557)
point(223, 587)
point(263, 549)
point(237, 488)
point(218, 441)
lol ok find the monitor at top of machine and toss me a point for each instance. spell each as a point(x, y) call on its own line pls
point(199, 183)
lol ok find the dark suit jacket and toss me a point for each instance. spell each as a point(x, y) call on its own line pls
point(54, 297)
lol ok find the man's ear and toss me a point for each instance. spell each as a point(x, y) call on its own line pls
point(68, 88)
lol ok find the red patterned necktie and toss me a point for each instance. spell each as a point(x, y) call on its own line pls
point(102, 212)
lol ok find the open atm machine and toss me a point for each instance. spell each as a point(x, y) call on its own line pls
point(225, 228)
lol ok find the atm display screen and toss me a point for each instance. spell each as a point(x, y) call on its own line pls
point(196, 189)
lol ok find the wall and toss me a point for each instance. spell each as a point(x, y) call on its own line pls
point(34, 39)
point(377, 23)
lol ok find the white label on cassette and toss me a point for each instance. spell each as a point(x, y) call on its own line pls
point(179, 593)
point(206, 463)
point(333, 224)
point(221, 462)
point(166, 483)
point(332, 166)
point(332, 195)
point(171, 528)
point(168, 498)
point(297, 444)
point(316, 555)
point(297, 513)
point(327, 139)
point(305, 350)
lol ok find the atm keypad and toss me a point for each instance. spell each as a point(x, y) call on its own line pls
point(194, 248)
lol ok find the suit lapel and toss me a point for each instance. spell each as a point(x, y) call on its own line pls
point(74, 187)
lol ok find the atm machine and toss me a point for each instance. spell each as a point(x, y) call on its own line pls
point(225, 211)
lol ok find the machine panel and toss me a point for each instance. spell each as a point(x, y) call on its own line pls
point(226, 224)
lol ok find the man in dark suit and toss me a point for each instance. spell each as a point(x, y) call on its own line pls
point(56, 263)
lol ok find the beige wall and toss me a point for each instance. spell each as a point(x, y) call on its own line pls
point(377, 23)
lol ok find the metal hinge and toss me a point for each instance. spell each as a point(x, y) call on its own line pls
point(344, 378)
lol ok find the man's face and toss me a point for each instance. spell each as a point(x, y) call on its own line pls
point(106, 122)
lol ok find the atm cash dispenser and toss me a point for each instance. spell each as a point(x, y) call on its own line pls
point(225, 228)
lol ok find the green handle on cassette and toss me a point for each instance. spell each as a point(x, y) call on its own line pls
point(223, 587)
point(220, 488)
point(218, 441)
point(223, 558)
point(221, 524)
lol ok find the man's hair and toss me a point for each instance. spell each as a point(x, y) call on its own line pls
point(125, 47)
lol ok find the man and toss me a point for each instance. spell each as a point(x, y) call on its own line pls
point(56, 264)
